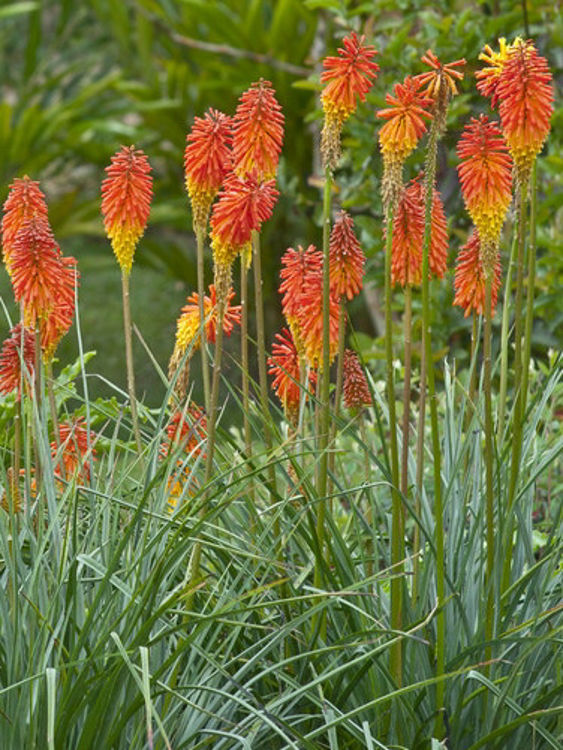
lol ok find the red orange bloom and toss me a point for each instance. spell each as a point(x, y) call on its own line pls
point(37, 269)
point(310, 321)
point(25, 201)
point(346, 258)
point(207, 161)
point(488, 78)
point(485, 174)
point(187, 429)
point(440, 81)
point(59, 319)
point(525, 93)
point(242, 207)
point(20, 345)
point(355, 388)
point(408, 236)
point(469, 280)
point(297, 267)
point(405, 119)
point(258, 132)
point(74, 450)
point(348, 77)
point(126, 198)
point(284, 365)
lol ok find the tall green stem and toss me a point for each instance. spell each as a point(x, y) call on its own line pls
point(397, 516)
point(407, 327)
point(324, 421)
point(504, 341)
point(518, 394)
point(419, 474)
point(129, 357)
point(489, 450)
point(200, 240)
point(339, 382)
point(530, 284)
point(244, 356)
point(429, 179)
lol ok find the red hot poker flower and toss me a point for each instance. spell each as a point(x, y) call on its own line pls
point(348, 77)
point(525, 93)
point(258, 132)
point(188, 325)
point(346, 258)
point(59, 319)
point(355, 388)
point(408, 236)
point(37, 270)
point(10, 359)
point(126, 198)
point(469, 279)
point(310, 321)
point(485, 174)
point(297, 267)
point(242, 207)
point(207, 161)
point(74, 446)
point(405, 119)
point(284, 365)
point(187, 429)
point(441, 78)
point(25, 201)
point(488, 78)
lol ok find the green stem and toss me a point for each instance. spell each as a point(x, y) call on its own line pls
point(407, 327)
point(472, 370)
point(504, 341)
point(489, 450)
point(200, 239)
point(419, 474)
point(244, 357)
point(324, 421)
point(339, 381)
point(129, 357)
point(15, 484)
point(518, 400)
point(531, 281)
point(53, 410)
point(397, 516)
point(262, 373)
point(429, 179)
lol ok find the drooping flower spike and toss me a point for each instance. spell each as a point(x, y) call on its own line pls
point(207, 161)
point(485, 174)
point(37, 270)
point(25, 201)
point(355, 388)
point(525, 95)
point(285, 366)
point(469, 279)
point(243, 205)
point(59, 319)
point(126, 198)
point(408, 236)
point(348, 78)
point(297, 267)
point(258, 132)
point(346, 258)
point(20, 345)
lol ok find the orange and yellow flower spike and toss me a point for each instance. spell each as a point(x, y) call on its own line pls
point(126, 199)
point(207, 161)
point(285, 367)
point(75, 454)
point(348, 78)
point(25, 201)
point(440, 85)
point(469, 279)
point(257, 132)
point(346, 258)
point(297, 267)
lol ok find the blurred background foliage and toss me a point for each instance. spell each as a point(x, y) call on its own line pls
point(79, 79)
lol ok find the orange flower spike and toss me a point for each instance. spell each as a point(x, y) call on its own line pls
point(408, 235)
point(11, 358)
point(441, 79)
point(37, 269)
point(469, 279)
point(284, 366)
point(297, 267)
point(489, 77)
point(207, 161)
point(485, 174)
point(25, 201)
point(126, 198)
point(310, 321)
point(346, 258)
point(355, 388)
point(187, 327)
point(242, 207)
point(59, 319)
point(405, 117)
point(258, 132)
point(525, 93)
point(187, 429)
point(75, 455)
point(348, 78)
